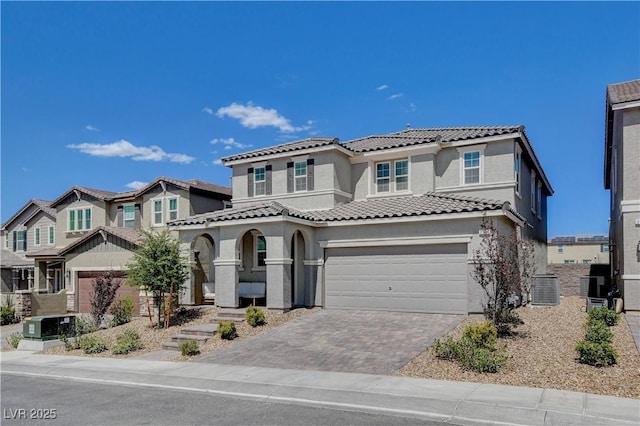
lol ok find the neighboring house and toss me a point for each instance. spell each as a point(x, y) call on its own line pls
point(98, 230)
point(622, 178)
point(572, 249)
point(385, 222)
point(31, 229)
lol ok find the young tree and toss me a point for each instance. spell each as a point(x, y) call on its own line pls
point(104, 291)
point(504, 265)
point(158, 268)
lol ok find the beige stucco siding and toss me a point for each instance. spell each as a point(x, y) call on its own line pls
point(148, 199)
point(41, 222)
point(631, 154)
point(98, 218)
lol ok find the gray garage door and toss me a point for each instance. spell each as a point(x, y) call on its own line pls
point(429, 279)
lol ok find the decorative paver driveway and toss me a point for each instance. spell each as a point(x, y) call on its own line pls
point(333, 340)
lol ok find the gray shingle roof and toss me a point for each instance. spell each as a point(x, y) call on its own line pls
point(393, 207)
point(624, 92)
point(9, 259)
point(128, 234)
point(43, 205)
point(287, 147)
point(426, 135)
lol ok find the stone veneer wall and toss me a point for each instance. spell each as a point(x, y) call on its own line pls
point(569, 275)
point(23, 304)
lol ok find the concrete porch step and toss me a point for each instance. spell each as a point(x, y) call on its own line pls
point(201, 330)
point(183, 337)
point(235, 315)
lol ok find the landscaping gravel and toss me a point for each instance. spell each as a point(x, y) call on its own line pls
point(544, 356)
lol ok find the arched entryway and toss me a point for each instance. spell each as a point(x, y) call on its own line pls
point(251, 249)
point(299, 288)
point(204, 272)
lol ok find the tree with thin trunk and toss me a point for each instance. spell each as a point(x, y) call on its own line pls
point(159, 269)
point(104, 288)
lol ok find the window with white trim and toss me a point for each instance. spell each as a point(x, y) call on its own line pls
point(604, 248)
point(21, 237)
point(260, 251)
point(471, 167)
point(533, 191)
point(36, 236)
point(157, 212)
point(79, 219)
point(401, 168)
point(129, 216)
point(300, 175)
point(517, 161)
point(52, 234)
point(539, 199)
point(260, 180)
point(569, 261)
point(560, 249)
point(383, 177)
point(173, 208)
point(6, 240)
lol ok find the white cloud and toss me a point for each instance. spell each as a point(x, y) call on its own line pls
point(217, 162)
point(136, 184)
point(229, 142)
point(395, 96)
point(207, 110)
point(412, 107)
point(383, 87)
point(252, 117)
point(123, 148)
point(91, 128)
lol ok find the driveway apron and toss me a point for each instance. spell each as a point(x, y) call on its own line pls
point(371, 342)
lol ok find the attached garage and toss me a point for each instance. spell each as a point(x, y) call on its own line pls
point(424, 278)
point(85, 288)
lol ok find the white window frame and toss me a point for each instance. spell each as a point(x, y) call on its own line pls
point(533, 192)
point(380, 179)
point(560, 248)
point(262, 181)
point(256, 263)
point(51, 235)
point(396, 175)
point(467, 150)
point(124, 216)
point(539, 199)
point(170, 210)
point(602, 248)
point(302, 178)
point(80, 221)
point(6, 240)
point(20, 242)
point(37, 237)
point(569, 261)
point(518, 169)
point(155, 212)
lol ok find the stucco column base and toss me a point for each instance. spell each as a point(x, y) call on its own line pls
point(631, 294)
point(278, 283)
point(227, 284)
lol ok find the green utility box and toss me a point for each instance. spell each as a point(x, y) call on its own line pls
point(49, 327)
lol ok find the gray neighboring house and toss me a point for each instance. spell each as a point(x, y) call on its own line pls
point(29, 230)
point(622, 178)
point(385, 222)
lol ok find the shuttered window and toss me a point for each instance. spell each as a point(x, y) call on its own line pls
point(36, 236)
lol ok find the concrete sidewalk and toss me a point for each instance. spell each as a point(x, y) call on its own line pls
point(453, 402)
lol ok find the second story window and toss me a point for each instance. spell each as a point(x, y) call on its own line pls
point(20, 240)
point(300, 171)
point(402, 175)
point(79, 219)
point(604, 248)
point(533, 192)
point(471, 167)
point(518, 159)
point(260, 180)
point(129, 216)
point(157, 212)
point(173, 208)
point(52, 235)
point(36, 236)
point(383, 177)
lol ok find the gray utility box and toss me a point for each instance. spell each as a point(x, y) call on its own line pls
point(49, 327)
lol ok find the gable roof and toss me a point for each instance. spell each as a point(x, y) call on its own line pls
point(9, 259)
point(40, 205)
point(623, 92)
point(130, 235)
point(287, 147)
point(428, 204)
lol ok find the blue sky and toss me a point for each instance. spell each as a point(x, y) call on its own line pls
point(109, 95)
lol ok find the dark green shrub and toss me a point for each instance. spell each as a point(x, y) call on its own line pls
point(598, 332)
point(227, 330)
point(14, 339)
point(484, 360)
point(189, 348)
point(255, 316)
point(8, 315)
point(84, 326)
point(483, 335)
point(127, 341)
point(91, 344)
point(122, 310)
point(605, 315)
point(596, 354)
point(447, 348)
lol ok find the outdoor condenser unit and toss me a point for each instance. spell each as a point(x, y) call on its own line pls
point(545, 290)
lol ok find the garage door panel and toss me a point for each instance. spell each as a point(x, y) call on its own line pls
point(411, 278)
point(85, 288)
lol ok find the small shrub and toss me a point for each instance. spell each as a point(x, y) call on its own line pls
point(84, 326)
point(605, 315)
point(227, 330)
point(484, 360)
point(447, 348)
point(483, 335)
point(122, 310)
point(14, 340)
point(8, 315)
point(596, 354)
point(189, 348)
point(255, 316)
point(598, 332)
point(127, 341)
point(92, 345)
point(70, 345)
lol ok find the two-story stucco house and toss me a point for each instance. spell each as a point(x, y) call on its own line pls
point(29, 230)
point(97, 230)
point(582, 249)
point(622, 178)
point(385, 222)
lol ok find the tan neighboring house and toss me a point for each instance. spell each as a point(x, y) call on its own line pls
point(385, 222)
point(29, 230)
point(578, 249)
point(98, 230)
point(622, 178)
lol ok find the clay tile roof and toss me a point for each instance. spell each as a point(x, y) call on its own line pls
point(268, 209)
point(426, 135)
point(623, 92)
point(288, 147)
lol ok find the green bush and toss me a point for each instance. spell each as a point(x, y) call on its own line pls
point(483, 335)
point(227, 330)
point(14, 339)
point(447, 348)
point(598, 332)
point(189, 348)
point(605, 315)
point(484, 360)
point(596, 354)
point(127, 341)
point(91, 344)
point(122, 310)
point(8, 315)
point(84, 326)
point(255, 316)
